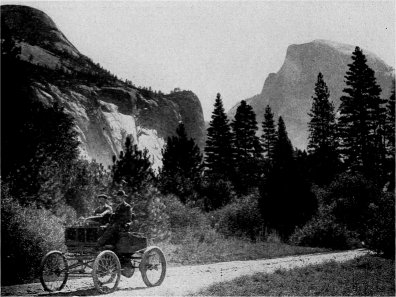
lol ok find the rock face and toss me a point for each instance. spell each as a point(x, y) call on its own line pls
point(106, 111)
point(289, 91)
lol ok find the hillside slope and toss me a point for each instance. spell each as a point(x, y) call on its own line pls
point(106, 109)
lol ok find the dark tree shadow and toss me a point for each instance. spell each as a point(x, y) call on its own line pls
point(86, 292)
point(79, 292)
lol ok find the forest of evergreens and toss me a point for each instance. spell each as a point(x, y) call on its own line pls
point(338, 194)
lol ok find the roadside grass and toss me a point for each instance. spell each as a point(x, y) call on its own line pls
point(365, 276)
point(211, 247)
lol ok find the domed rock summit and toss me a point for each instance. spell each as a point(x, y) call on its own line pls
point(289, 91)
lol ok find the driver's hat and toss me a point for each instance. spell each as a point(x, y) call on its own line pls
point(103, 196)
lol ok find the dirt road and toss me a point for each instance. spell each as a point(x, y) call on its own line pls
point(185, 280)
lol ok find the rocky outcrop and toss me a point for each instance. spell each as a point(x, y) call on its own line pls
point(289, 91)
point(191, 115)
point(106, 110)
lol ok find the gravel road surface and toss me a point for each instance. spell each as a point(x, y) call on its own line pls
point(185, 280)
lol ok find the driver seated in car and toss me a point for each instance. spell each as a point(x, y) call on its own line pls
point(102, 213)
point(122, 216)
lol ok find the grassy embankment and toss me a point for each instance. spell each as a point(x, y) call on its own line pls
point(213, 247)
point(365, 276)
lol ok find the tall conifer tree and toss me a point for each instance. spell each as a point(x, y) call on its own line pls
point(268, 138)
point(218, 149)
point(133, 166)
point(247, 148)
point(390, 139)
point(362, 118)
point(286, 200)
point(247, 144)
point(322, 145)
point(182, 165)
point(283, 153)
point(390, 123)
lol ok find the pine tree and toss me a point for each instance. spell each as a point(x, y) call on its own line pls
point(322, 145)
point(182, 165)
point(133, 166)
point(268, 138)
point(362, 118)
point(247, 147)
point(283, 152)
point(286, 200)
point(390, 139)
point(247, 144)
point(218, 149)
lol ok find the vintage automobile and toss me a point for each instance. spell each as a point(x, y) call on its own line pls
point(105, 264)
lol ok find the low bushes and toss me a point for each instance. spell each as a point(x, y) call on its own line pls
point(240, 218)
point(184, 220)
point(352, 210)
point(181, 215)
point(350, 196)
point(28, 234)
point(324, 231)
point(381, 226)
point(212, 247)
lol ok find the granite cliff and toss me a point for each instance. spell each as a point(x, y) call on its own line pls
point(289, 91)
point(106, 110)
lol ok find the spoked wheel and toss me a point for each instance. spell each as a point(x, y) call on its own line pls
point(54, 271)
point(153, 267)
point(106, 272)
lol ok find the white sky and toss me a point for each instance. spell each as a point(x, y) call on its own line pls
point(214, 46)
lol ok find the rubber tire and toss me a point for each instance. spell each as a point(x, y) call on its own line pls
point(144, 262)
point(95, 268)
point(43, 261)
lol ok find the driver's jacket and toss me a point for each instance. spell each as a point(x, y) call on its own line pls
point(122, 214)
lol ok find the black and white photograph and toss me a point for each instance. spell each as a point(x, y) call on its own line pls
point(198, 148)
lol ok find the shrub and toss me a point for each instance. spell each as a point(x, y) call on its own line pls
point(181, 215)
point(351, 210)
point(239, 218)
point(28, 234)
point(350, 197)
point(381, 226)
point(184, 219)
point(324, 231)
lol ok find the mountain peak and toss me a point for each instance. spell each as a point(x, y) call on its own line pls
point(17, 16)
point(344, 48)
point(30, 26)
point(332, 43)
point(289, 91)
